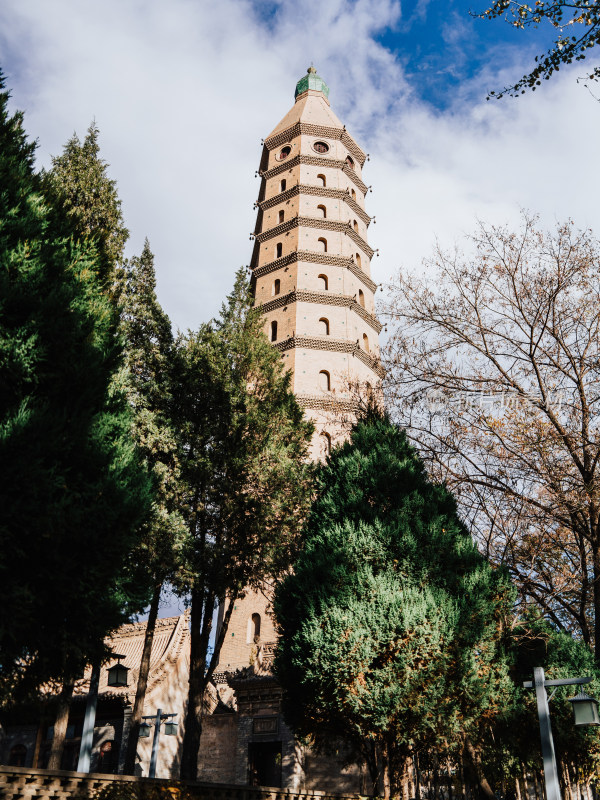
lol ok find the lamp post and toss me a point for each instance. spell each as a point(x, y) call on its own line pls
point(584, 708)
point(170, 730)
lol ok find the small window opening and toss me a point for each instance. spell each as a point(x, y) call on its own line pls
point(323, 245)
point(361, 297)
point(324, 326)
point(325, 443)
point(353, 193)
point(366, 342)
point(324, 380)
point(350, 162)
point(321, 179)
point(323, 282)
point(321, 211)
point(274, 331)
point(321, 147)
point(277, 286)
point(281, 216)
point(253, 634)
point(354, 225)
point(284, 152)
point(278, 250)
point(282, 185)
point(357, 257)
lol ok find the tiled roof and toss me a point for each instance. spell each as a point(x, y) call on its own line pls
point(171, 637)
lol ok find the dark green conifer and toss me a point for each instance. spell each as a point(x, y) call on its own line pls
point(243, 444)
point(149, 352)
point(392, 623)
point(72, 492)
point(86, 199)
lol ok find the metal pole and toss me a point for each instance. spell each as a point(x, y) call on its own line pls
point(154, 756)
point(87, 735)
point(550, 769)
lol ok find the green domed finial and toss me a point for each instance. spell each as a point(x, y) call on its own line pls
point(311, 81)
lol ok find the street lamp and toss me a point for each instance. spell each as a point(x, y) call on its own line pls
point(586, 713)
point(585, 709)
point(170, 730)
point(117, 674)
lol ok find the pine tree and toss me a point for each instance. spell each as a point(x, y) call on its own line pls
point(243, 446)
point(73, 492)
point(391, 624)
point(149, 350)
point(78, 186)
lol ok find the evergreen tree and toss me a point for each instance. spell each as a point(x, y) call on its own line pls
point(243, 447)
point(392, 624)
point(78, 186)
point(149, 350)
point(73, 492)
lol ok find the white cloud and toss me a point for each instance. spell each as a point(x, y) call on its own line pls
point(183, 93)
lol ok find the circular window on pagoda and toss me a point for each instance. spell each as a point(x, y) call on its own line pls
point(320, 147)
point(283, 153)
point(350, 162)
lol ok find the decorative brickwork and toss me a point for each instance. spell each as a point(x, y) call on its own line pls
point(20, 783)
point(315, 222)
point(323, 298)
point(286, 165)
point(322, 403)
point(327, 259)
point(333, 345)
point(316, 191)
point(317, 130)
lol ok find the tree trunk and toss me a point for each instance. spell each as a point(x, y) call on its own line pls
point(385, 771)
point(193, 719)
point(140, 694)
point(417, 776)
point(405, 778)
point(525, 782)
point(463, 779)
point(201, 625)
point(518, 789)
point(450, 782)
point(60, 724)
point(539, 793)
point(476, 761)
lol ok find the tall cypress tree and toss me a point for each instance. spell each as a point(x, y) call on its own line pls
point(149, 352)
point(73, 492)
point(243, 445)
point(391, 624)
point(88, 204)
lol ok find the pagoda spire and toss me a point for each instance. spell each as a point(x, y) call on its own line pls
point(311, 261)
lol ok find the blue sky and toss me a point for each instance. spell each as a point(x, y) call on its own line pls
point(184, 92)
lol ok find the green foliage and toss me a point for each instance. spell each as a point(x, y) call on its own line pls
point(72, 489)
point(243, 444)
point(149, 352)
point(246, 482)
point(577, 26)
point(535, 644)
point(86, 198)
point(392, 625)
